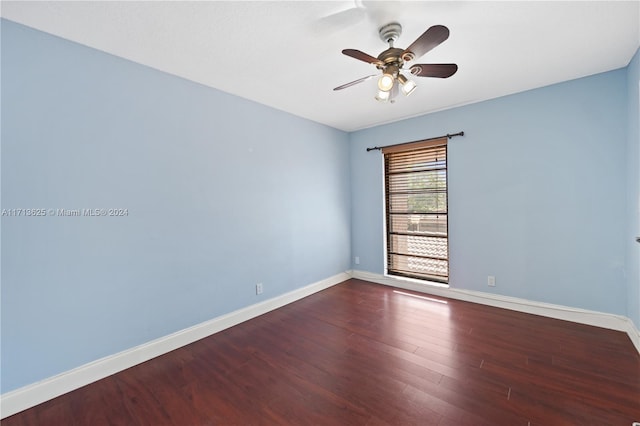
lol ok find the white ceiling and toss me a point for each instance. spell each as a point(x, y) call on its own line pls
point(288, 54)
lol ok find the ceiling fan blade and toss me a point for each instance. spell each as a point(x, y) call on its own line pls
point(361, 56)
point(427, 41)
point(434, 70)
point(354, 82)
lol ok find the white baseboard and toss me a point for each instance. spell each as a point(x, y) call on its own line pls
point(634, 334)
point(31, 395)
point(582, 316)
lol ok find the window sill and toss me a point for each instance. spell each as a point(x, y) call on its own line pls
point(417, 281)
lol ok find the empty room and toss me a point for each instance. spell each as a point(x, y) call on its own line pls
point(320, 213)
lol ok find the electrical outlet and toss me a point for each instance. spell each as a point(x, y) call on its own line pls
point(357, 260)
point(259, 288)
point(491, 281)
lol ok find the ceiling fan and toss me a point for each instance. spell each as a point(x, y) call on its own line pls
point(392, 61)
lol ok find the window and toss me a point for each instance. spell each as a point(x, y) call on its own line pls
point(416, 210)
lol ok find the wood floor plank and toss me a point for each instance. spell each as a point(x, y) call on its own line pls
point(364, 354)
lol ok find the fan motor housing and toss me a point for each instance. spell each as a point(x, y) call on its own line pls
point(391, 57)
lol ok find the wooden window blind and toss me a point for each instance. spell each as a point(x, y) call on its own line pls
point(416, 210)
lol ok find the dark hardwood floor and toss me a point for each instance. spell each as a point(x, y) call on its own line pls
point(365, 354)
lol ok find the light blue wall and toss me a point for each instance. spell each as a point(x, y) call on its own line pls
point(221, 193)
point(633, 190)
point(537, 192)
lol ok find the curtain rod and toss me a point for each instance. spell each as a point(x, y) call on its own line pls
point(448, 136)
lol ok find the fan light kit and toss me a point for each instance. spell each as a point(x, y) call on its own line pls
point(392, 60)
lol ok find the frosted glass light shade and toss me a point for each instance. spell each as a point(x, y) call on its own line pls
point(385, 83)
